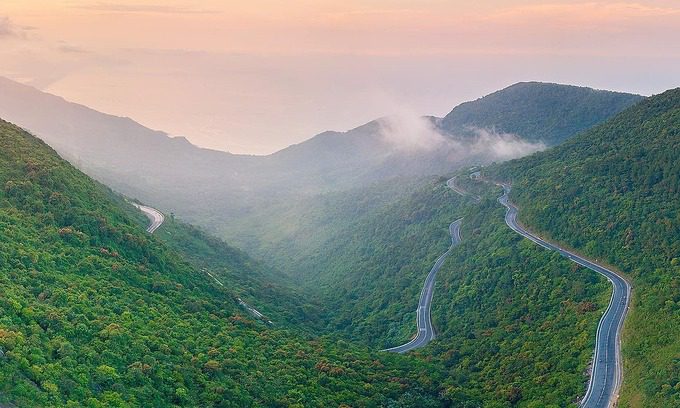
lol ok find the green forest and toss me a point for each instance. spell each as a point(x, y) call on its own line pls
point(540, 112)
point(516, 322)
point(95, 312)
point(613, 193)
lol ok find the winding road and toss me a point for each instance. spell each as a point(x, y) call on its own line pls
point(155, 217)
point(606, 373)
point(423, 313)
point(451, 183)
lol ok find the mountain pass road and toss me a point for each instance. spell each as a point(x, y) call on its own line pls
point(155, 217)
point(606, 373)
point(423, 319)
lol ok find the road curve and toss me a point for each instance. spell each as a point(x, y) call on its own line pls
point(423, 314)
point(451, 183)
point(155, 217)
point(606, 374)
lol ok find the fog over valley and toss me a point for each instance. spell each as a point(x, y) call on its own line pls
point(357, 203)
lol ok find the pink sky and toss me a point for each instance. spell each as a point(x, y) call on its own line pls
point(256, 76)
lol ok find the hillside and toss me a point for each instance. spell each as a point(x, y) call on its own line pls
point(515, 324)
point(268, 290)
point(87, 292)
point(211, 188)
point(95, 312)
point(614, 194)
point(544, 112)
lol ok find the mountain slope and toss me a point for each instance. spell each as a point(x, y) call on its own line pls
point(209, 188)
point(614, 193)
point(549, 113)
point(95, 312)
point(515, 324)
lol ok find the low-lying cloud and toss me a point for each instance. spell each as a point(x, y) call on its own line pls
point(499, 146)
point(416, 134)
point(7, 29)
point(411, 133)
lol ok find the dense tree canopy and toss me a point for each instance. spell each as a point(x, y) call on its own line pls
point(614, 193)
point(95, 312)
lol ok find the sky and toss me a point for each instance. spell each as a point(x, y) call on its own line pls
point(256, 76)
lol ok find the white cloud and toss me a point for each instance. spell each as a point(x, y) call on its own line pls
point(7, 28)
point(409, 132)
point(501, 146)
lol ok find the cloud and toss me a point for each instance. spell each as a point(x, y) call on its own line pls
point(7, 28)
point(72, 49)
point(143, 8)
point(595, 12)
point(411, 133)
point(498, 146)
point(10, 30)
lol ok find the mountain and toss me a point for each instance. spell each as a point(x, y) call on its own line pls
point(613, 193)
point(539, 112)
point(209, 188)
point(96, 312)
point(515, 324)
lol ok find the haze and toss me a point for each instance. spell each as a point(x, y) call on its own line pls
point(254, 77)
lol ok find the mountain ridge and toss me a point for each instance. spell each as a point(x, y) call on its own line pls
point(613, 193)
point(565, 102)
point(97, 312)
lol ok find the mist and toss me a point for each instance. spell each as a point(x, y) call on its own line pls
point(500, 146)
point(409, 133)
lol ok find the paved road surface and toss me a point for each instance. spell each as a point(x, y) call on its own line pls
point(423, 318)
point(452, 185)
point(155, 217)
point(605, 378)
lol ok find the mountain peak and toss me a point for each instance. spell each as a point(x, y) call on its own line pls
point(538, 111)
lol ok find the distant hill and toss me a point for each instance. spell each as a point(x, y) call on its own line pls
point(550, 113)
point(210, 187)
point(613, 192)
point(96, 312)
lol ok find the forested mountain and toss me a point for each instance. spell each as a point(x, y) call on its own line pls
point(544, 112)
point(614, 194)
point(515, 323)
point(369, 271)
point(209, 187)
point(95, 312)
point(88, 292)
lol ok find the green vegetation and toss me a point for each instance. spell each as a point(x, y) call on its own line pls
point(614, 194)
point(95, 312)
point(270, 293)
point(516, 323)
point(537, 111)
point(370, 274)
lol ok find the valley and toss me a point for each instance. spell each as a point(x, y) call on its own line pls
point(339, 204)
point(332, 276)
